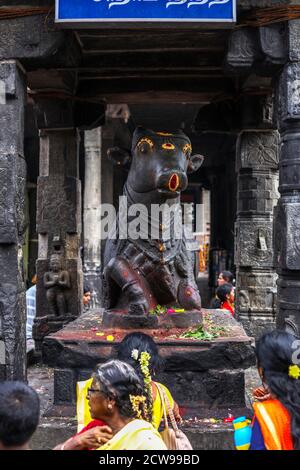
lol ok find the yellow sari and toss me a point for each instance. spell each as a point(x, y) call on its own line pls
point(136, 435)
point(157, 411)
point(83, 411)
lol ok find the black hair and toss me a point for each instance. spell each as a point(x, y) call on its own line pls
point(223, 291)
point(86, 287)
point(274, 351)
point(19, 413)
point(227, 276)
point(118, 380)
point(142, 343)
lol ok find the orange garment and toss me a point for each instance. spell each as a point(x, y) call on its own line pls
point(227, 306)
point(275, 424)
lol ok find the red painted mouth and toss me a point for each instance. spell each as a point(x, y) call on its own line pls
point(173, 182)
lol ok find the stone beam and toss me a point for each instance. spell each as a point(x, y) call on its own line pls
point(34, 41)
point(262, 50)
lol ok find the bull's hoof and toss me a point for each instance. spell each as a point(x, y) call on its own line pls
point(137, 309)
point(120, 319)
point(188, 319)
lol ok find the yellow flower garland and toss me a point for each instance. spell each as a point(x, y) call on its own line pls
point(144, 359)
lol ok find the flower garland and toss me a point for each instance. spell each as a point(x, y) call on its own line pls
point(144, 359)
point(136, 402)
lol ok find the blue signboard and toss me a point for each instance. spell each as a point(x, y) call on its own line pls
point(92, 11)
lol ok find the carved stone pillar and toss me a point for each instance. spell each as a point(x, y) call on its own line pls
point(12, 196)
point(59, 269)
point(287, 226)
point(257, 167)
point(92, 215)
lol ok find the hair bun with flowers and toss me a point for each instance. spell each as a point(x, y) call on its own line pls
point(135, 354)
point(143, 359)
point(138, 402)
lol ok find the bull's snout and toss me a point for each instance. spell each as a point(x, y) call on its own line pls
point(172, 181)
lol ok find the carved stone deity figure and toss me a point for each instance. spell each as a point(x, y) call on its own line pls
point(145, 271)
point(56, 281)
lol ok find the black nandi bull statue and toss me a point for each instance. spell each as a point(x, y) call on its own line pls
point(141, 273)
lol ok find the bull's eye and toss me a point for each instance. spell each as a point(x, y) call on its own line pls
point(187, 150)
point(145, 145)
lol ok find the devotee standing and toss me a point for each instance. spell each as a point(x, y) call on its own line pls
point(19, 415)
point(276, 422)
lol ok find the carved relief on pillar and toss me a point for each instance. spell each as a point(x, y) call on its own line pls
point(290, 162)
point(8, 229)
point(59, 285)
point(257, 293)
point(57, 208)
point(289, 94)
point(59, 270)
point(258, 150)
point(242, 50)
point(272, 39)
point(257, 192)
point(263, 48)
point(287, 239)
point(57, 282)
point(288, 312)
point(253, 244)
point(12, 195)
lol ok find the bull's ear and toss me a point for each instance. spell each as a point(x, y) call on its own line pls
point(119, 157)
point(195, 161)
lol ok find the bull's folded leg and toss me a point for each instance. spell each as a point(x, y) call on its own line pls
point(119, 270)
point(188, 296)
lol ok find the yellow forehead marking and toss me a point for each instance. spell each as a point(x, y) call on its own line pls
point(166, 134)
point(168, 146)
point(187, 148)
point(145, 140)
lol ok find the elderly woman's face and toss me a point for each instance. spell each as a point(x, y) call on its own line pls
point(98, 402)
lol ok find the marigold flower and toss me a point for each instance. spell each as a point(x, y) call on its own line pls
point(294, 372)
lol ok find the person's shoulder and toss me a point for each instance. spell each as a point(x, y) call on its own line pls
point(166, 391)
point(150, 438)
point(162, 386)
point(152, 442)
point(31, 290)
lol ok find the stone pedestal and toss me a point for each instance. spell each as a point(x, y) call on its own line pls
point(203, 375)
point(58, 221)
point(12, 226)
point(257, 168)
point(120, 319)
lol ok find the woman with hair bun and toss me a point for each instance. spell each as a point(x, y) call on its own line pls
point(276, 423)
point(141, 352)
point(118, 403)
point(117, 398)
point(225, 294)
